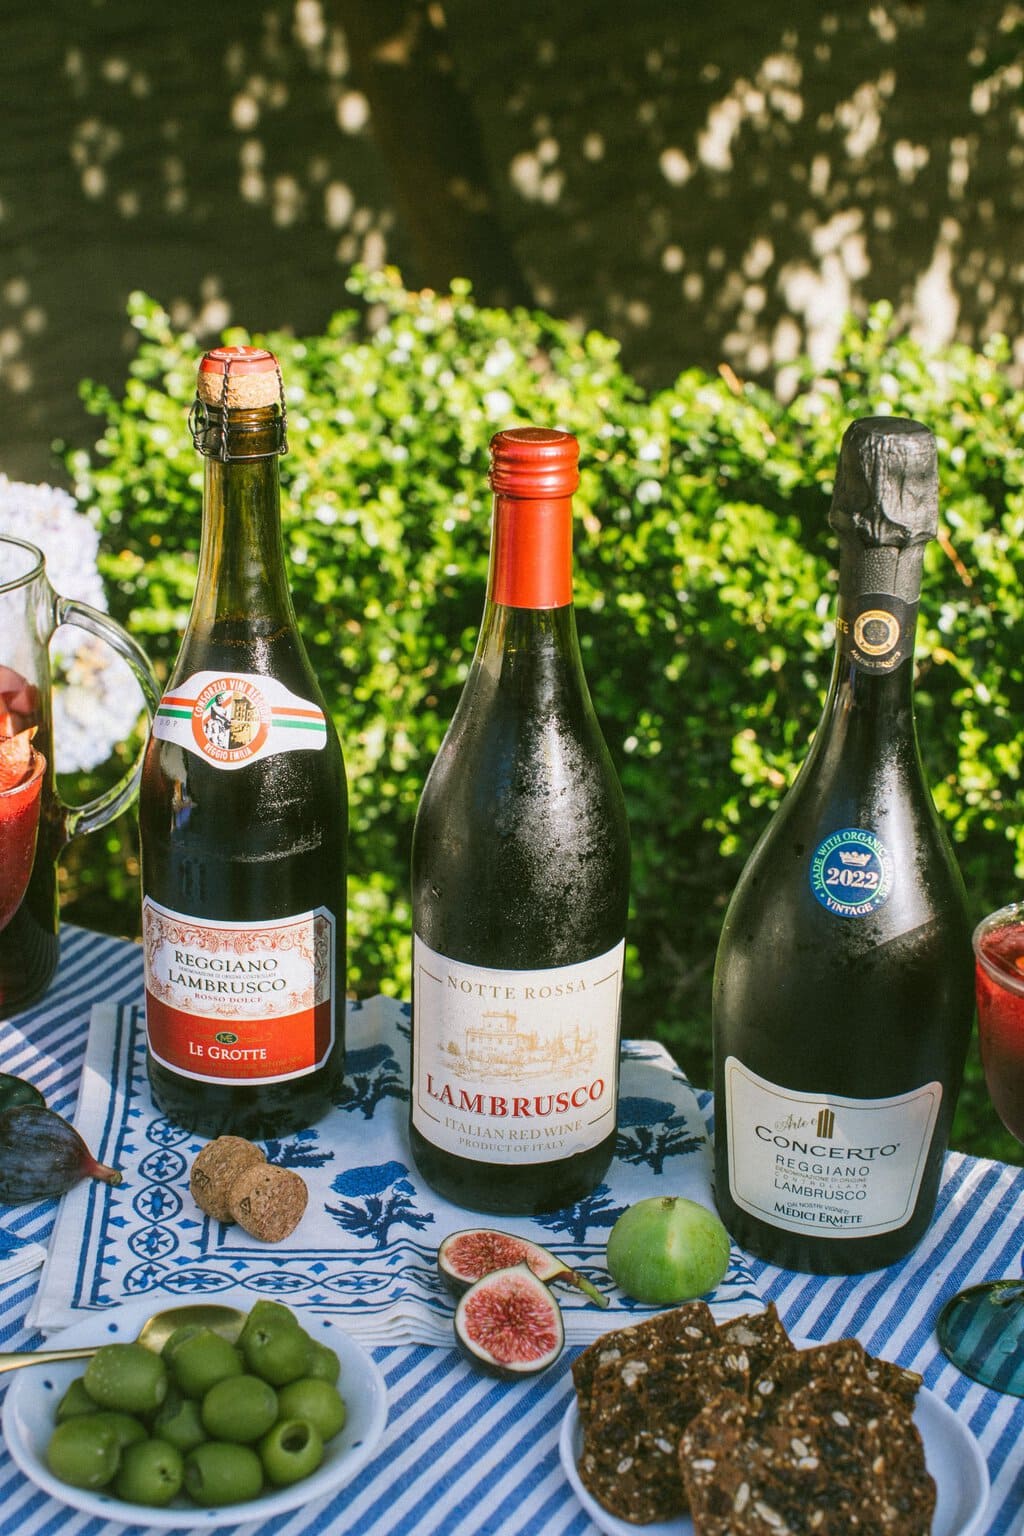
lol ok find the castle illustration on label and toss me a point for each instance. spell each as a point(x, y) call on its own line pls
point(496, 1045)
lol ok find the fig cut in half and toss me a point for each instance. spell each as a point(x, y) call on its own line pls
point(465, 1257)
point(510, 1323)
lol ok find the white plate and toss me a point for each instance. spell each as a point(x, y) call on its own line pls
point(951, 1452)
point(28, 1416)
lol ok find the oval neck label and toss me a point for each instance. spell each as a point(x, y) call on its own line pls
point(877, 631)
point(851, 872)
point(233, 719)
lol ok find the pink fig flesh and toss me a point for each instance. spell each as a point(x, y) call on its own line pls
point(465, 1257)
point(509, 1323)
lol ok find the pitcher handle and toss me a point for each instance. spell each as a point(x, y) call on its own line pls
point(97, 812)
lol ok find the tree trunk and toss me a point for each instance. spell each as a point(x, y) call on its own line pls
point(429, 139)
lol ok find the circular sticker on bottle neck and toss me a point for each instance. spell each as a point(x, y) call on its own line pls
point(879, 631)
point(851, 872)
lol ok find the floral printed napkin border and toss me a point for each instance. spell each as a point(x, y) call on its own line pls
point(365, 1248)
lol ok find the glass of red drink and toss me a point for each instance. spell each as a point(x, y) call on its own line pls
point(982, 1328)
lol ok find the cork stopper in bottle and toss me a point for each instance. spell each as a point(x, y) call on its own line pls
point(240, 378)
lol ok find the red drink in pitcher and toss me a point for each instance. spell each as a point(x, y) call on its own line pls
point(21, 780)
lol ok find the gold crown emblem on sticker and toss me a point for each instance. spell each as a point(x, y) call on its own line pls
point(848, 856)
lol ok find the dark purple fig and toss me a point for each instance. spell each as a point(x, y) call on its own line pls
point(465, 1257)
point(42, 1156)
point(15, 1090)
point(510, 1323)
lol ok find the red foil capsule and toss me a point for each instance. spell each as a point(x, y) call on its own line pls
point(534, 473)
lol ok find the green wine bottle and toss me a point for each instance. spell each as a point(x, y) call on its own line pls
point(243, 810)
point(520, 881)
point(843, 991)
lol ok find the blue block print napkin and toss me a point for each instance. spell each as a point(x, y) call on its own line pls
point(365, 1249)
point(18, 1256)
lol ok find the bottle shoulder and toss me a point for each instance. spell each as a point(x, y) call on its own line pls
point(497, 771)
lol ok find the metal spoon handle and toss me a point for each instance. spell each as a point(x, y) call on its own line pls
point(13, 1360)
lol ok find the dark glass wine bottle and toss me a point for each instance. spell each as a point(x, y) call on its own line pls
point(843, 990)
point(520, 881)
point(243, 808)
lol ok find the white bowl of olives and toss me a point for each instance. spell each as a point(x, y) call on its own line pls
point(208, 1433)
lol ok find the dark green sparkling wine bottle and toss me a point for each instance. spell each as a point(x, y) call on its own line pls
point(520, 882)
point(243, 809)
point(843, 990)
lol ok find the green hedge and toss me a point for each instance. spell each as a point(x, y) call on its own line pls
point(704, 584)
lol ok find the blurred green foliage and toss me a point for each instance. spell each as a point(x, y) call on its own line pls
point(705, 587)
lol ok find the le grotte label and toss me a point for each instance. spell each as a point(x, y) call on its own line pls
point(239, 1003)
point(232, 719)
point(515, 1067)
point(824, 1164)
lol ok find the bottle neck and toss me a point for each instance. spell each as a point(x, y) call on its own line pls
point(241, 573)
point(528, 645)
point(531, 552)
point(876, 623)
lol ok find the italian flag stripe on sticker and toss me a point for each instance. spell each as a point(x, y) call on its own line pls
point(233, 719)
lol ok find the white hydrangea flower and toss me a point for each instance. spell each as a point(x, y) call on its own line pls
point(96, 700)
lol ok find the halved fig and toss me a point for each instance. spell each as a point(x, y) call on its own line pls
point(465, 1257)
point(510, 1323)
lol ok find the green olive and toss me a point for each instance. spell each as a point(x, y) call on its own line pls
point(278, 1351)
point(217, 1473)
point(290, 1451)
point(316, 1401)
point(264, 1312)
point(125, 1429)
point(126, 1377)
point(151, 1473)
point(179, 1422)
point(186, 1331)
point(324, 1363)
point(239, 1408)
point(83, 1453)
point(75, 1400)
point(200, 1361)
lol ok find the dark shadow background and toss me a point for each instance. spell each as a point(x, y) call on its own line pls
point(709, 184)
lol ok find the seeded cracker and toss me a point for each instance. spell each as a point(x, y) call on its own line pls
point(639, 1406)
point(843, 1361)
point(756, 1437)
point(683, 1329)
point(760, 1335)
point(836, 1459)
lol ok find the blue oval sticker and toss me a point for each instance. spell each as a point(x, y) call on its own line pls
point(851, 872)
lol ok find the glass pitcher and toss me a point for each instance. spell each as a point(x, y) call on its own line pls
point(30, 806)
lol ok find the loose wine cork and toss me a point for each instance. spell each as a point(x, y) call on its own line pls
point(215, 1171)
point(253, 378)
point(268, 1201)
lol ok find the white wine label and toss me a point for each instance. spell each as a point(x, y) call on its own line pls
point(824, 1164)
point(232, 719)
point(515, 1067)
point(851, 872)
point(239, 1003)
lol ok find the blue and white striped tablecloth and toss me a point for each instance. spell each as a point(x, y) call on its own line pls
point(465, 1455)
